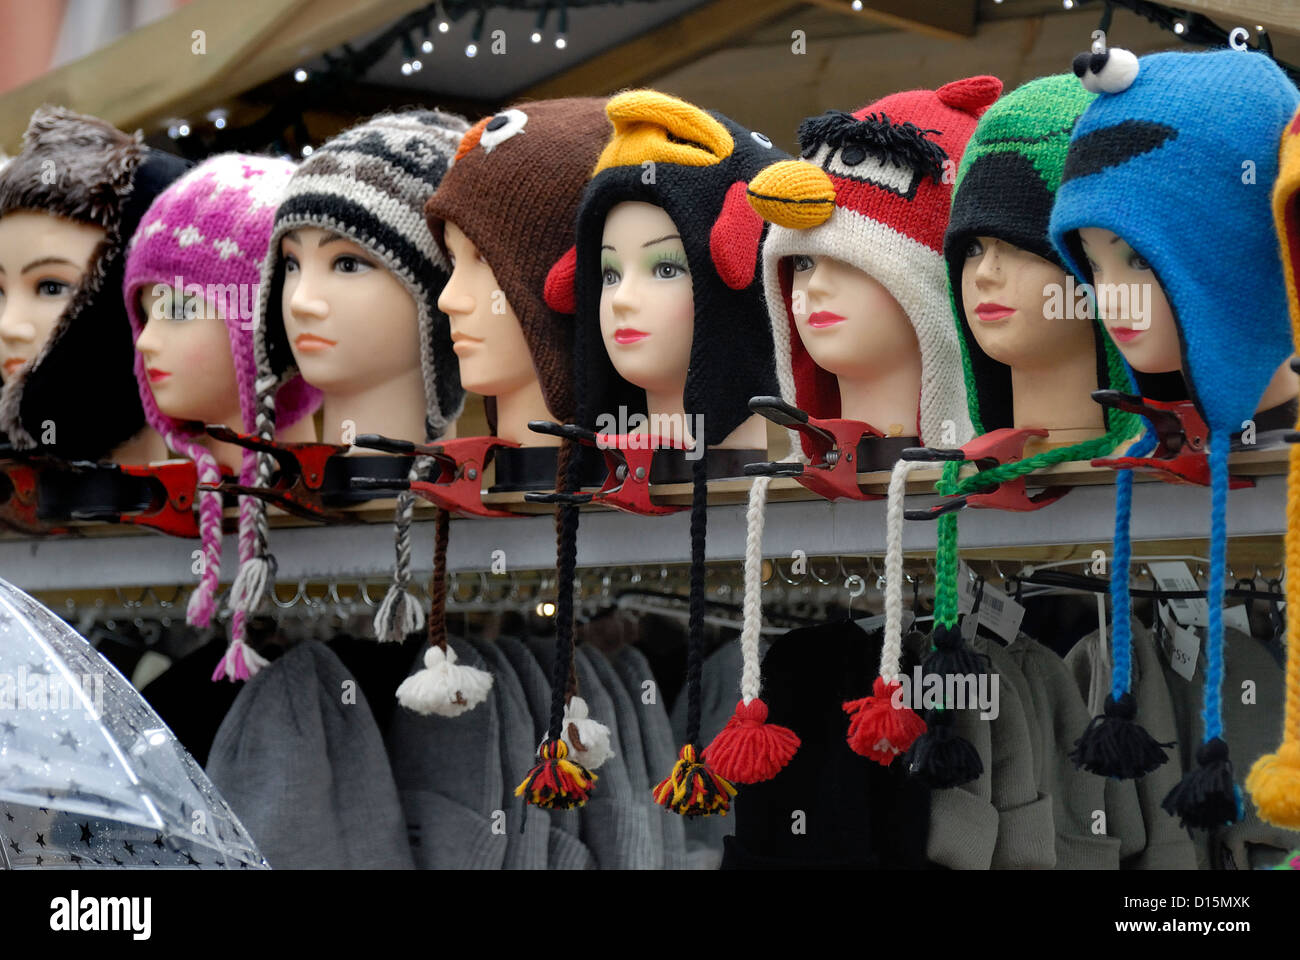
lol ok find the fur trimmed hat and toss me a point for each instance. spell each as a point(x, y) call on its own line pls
point(82, 382)
point(210, 229)
point(368, 184)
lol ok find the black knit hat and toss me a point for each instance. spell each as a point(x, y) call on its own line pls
point(82, 381)
point(701, 164)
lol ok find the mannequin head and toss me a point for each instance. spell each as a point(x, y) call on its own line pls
point(998, 277)
point(1131, 303)
point(485, 332)
point(849, 323)
point(647, 305)
point(186, 351)
point(43, 259)
point(349, 321)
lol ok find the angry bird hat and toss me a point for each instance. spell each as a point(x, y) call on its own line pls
point(1219, 116)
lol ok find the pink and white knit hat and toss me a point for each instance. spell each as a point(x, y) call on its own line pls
point(212, 228)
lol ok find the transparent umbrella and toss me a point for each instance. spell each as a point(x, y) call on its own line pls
point(90, 776)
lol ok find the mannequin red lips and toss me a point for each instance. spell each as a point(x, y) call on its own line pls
point(311, 343)
point(12, 364)
point(156, 375)
point(1125, 334)
point(993, 312)
point(824, 318)
point(629, 335)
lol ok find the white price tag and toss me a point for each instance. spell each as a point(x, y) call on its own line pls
point(998, 610)
point(1236, 618)
point(1173, 575)
point(1182, 645)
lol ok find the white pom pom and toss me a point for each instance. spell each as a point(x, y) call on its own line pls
point(444, 687)
point(588, 741)
point(1115, 75)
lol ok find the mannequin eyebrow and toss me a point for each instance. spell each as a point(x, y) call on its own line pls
point(328, 238)
point(671, 236)
point(43, 262)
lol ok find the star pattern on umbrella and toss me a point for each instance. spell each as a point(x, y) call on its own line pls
point(68, 740)
point(189, 859)
point(9, 728)
point(158, 841)
point(39, 860)
point(86, 835)
point(37, 669)
point(40, 839)
point(17, 849)
point(75, 859)
point(129, 848)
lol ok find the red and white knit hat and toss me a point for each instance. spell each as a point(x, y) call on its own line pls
point(873, 191)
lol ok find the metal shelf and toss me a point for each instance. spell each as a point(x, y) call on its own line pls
point(1161, 511)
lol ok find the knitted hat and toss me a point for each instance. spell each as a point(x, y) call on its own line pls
point(513, 190)
point(695, 165)
point(873, 191)
point(306, 770)
point(211, 228)
point(1274, 781)
point(368, 184)
point(81, 382)
point(1159, 117)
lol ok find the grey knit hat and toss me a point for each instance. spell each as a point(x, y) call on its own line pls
point(369, 184)
point(300, 759)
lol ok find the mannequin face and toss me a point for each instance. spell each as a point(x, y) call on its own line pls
point(350, 322)
point(1134, 308)
point(647, 305)
point(43, 260)
point(998, 277)
point(848, 322)
point(485, 333)
point(186, 351)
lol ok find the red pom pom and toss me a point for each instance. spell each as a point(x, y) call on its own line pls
point(878, 729)
point(749, 749)
point(559, 292)
point(972, 94)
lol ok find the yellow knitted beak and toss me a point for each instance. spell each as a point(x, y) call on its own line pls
point(653, 127)
point(792, 193)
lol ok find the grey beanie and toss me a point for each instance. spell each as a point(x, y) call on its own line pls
point(368, 184)
point(301, 761)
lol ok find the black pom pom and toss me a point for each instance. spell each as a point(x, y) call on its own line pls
point(1081, 62)
point(941, 758)
point(953, 655)
point(1115, 745)
point(1207, 795)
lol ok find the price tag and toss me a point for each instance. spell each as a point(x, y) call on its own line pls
point(1174, 575)
point(998, 610)
point(1182, 645)
point(1236, 618)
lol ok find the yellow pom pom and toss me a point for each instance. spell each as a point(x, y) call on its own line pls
point(1274, 785)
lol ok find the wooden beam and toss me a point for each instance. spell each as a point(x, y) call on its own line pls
point(948, 20)
point(684, 38)
point(1283, 14)
point(154, 72)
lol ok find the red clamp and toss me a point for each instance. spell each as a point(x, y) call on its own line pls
point(628, 458)
point(172, 484)
point(458, 487)
point(1005, 445)
point(19, 500)
point(833, 472)
point(299, 485)
point(1182, 440)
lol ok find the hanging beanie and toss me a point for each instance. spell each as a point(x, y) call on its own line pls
point(1005, 187)
point(883, 178)
point(1156, 118)
point(80, 383)
point(513, 189)
point(368, 184)
point(1274, 781)
point(699, 164)
point(210, 229)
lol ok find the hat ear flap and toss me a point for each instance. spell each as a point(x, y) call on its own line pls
point(559, 289)
point(734, 239)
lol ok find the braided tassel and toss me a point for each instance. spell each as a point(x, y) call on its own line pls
point(692, 789)
point(556, 782)
point(749, 749)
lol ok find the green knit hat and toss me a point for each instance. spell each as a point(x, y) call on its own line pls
point(1005, 187)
